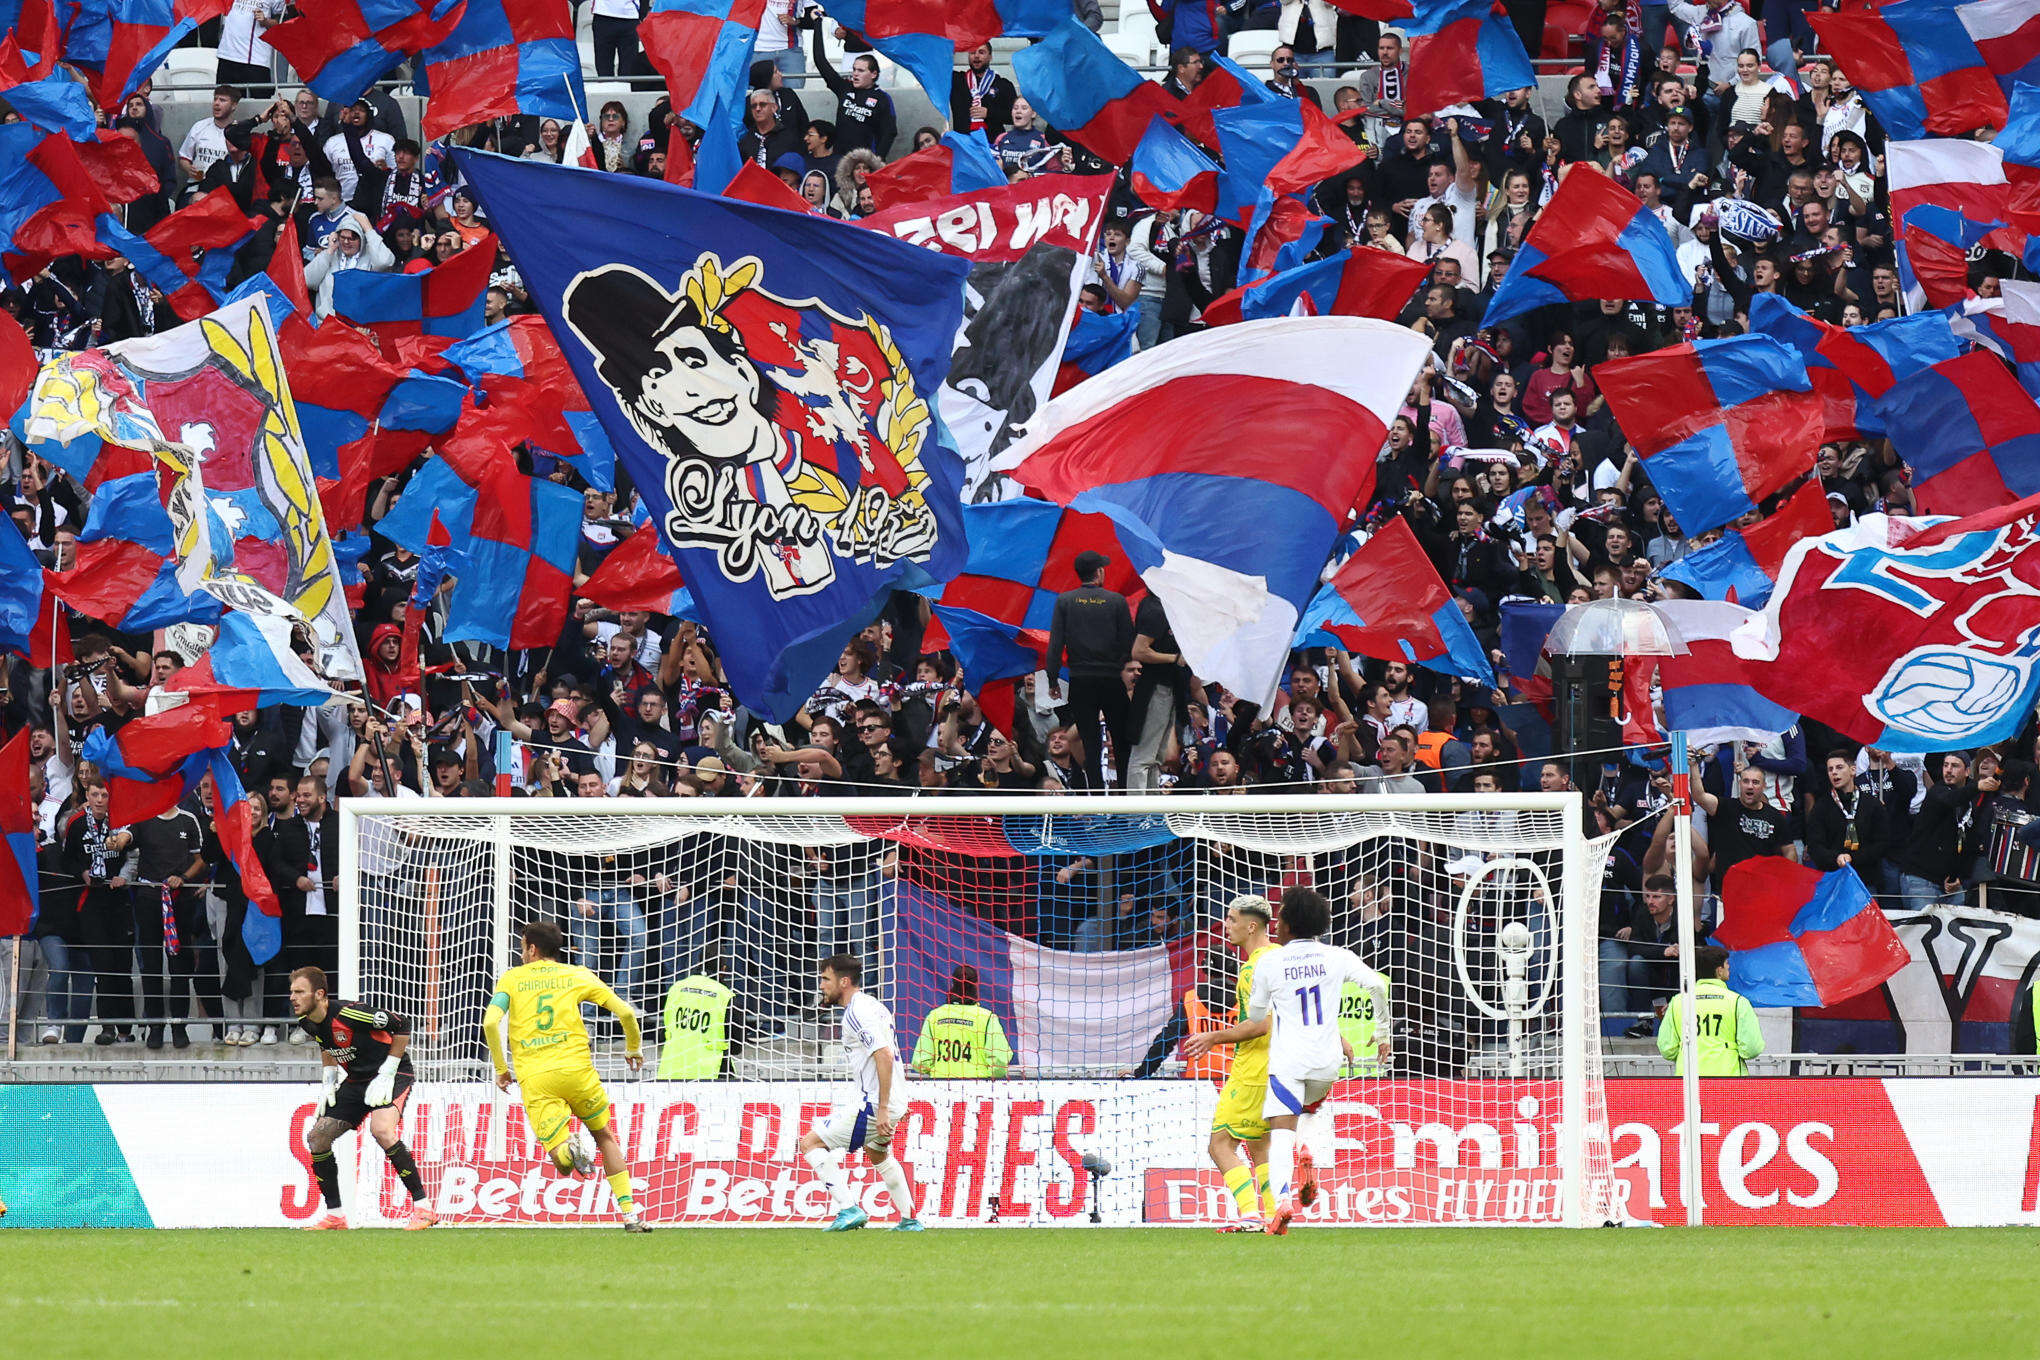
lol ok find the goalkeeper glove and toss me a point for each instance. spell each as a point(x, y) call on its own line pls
point(382, 1088)
point(330, 1078)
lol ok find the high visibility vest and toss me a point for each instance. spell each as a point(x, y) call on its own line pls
point(962, 1041)
point(1715, 1009)
point(696, 1036)
point(1359, 1026)
point(1431, 748)
point(1212, 1066)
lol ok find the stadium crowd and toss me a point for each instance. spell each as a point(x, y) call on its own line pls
point(1760, 161)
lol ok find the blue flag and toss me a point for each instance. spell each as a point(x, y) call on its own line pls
point(767, 379)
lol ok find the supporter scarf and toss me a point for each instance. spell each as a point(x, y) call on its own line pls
point(168, 898)
point(1392, 82)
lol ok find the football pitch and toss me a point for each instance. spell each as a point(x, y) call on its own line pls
point(556, 1295)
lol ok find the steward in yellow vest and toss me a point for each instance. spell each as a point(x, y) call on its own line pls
point(696, 1036)
point(1724, 1023)
point(960, 1038)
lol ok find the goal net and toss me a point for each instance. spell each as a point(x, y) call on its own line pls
point(1044, 958)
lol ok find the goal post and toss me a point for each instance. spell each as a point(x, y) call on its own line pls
point(1045, 953)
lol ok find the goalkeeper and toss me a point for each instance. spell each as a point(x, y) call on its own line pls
point(366, 1075)
point(541, 1000)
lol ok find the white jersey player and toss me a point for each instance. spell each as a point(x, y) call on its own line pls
point(1296, 995)
point(872, 1053)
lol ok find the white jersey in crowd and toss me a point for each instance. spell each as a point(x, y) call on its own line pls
point(868, 1028)
point(1300, 983)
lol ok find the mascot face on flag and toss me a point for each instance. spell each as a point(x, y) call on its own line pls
point(759, 405)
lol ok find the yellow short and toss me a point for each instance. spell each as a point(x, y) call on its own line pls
point(550, 1096)
point(1239, 1110)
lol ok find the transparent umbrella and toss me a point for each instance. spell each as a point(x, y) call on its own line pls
point(1616, 628)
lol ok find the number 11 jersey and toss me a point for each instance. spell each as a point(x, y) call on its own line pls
point(1300, 983)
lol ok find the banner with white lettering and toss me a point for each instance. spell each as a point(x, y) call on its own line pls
point(1774, 1152)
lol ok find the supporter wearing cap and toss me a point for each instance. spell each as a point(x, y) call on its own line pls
point(236, 171)
point(360, 155)
point(791, 167)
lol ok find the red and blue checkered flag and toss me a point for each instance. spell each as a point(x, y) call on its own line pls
point(187, 255)
point(703, 49)
point(48, 202)
point(960, 163)
point(1593, 240)
point(520, 357)
point(1742, 566)
point(341, 47)
point(1850, 367)
point(518, 566)
point(1720, 424)
point(1462, 51)
point(1023, 553)
point(1083, 91)
point(142, 34)
point(1918, 66)
point(1387, 601)
point(512, 56)
point(1358, 282)
point(445, 300)
point(1969, 432)
point(1799, 937)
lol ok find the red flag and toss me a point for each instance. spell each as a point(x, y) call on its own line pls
point(118, 166)
point(635, 575)
point(18, 879)
point(755, 184)
point(17, 364)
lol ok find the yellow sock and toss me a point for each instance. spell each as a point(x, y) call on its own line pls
point(1267, 1191)
point(619, 1185)
point(1240, 1182)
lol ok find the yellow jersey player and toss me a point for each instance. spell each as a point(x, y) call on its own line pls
point(1237, 1122)
point(541, 999)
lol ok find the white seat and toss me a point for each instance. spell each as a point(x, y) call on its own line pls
point(1130, 48)
point(1136, 22)
point(190, 66)
point(1252, 49)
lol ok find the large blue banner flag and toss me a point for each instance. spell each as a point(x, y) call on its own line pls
point(766, 379)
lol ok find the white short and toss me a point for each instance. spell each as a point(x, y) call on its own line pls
point(853, 1126)
point(1288, 1095)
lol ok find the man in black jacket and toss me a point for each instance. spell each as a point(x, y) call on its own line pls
point(1848, 825)
point(1582, 121)
point(307, 883)
point(980, 99)
point(1093, 627)
point(236, 172)
point(1930, 861)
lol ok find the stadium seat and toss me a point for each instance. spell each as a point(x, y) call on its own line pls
point(1252, 49)
point(1130, 48)
point(1136, 22)
point(189, 67)
point(1554, 45)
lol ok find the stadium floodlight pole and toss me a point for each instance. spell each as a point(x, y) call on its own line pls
point(1689, 1084)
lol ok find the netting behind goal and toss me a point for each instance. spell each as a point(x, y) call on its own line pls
point(1043, 966)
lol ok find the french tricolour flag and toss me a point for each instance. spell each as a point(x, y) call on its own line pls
point(1061, 1009)
point(1229, 531)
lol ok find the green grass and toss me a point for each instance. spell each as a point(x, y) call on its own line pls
point(564, 1295)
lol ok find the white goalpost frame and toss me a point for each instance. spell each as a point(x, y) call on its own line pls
point(1578, 916)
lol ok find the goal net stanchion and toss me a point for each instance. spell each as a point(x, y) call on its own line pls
point(1068, 942)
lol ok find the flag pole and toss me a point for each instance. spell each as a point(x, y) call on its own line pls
point(1689, 1084)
